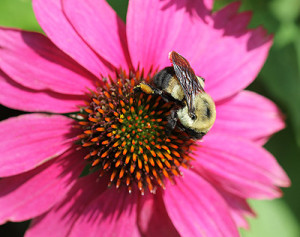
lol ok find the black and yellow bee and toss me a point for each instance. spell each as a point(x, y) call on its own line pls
point(195, 110)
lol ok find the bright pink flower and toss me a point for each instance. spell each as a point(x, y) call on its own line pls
point(87, 41)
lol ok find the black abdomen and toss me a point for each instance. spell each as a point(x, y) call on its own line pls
point(162, 78)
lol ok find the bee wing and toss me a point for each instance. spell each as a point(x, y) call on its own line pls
point(187, 78)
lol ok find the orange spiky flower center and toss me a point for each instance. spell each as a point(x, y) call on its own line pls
point(127, 135)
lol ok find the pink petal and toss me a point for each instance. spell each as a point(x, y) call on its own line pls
point(90, 206)
point(53, 21)
point(30, 194)
point(35, 62)
point(238, 207)
point(60, 220)
point(32, 139)
point(261, 140)
point(196, 209)
point(154, 28)
point(15, 96)
point(248, 115)
point(111, 214)
point(219, 47)
point(153, 219)
point(98, 24)
point(234, 56)
point(239, 166)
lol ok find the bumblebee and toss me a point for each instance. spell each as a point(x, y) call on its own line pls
point(195, 110)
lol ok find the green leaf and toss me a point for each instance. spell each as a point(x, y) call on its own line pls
point(285, 10)
point(281, 79)
point(87, 170)
point(274, 219)
point(283, 146)
point(120, 6)
point(18, 13)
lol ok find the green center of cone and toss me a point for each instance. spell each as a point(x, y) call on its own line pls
point(128, 138)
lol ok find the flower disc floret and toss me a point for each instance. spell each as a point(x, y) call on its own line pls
point(128, 137)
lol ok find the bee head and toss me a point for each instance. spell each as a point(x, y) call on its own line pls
point(203, 115)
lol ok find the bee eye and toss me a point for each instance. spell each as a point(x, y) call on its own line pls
point(193, 116)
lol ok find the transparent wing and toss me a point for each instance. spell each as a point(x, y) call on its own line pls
point(187, 79)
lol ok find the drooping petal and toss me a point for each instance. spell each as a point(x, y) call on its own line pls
point(35, 62)
point(18, 97)
point(53, 21)
point(105, 32)
point(196, 208)
point(154, 28)
point(30, 194)
point(248, 115)
point(153, 219)
point(32, 139)
point(239, 166)
point(111, 214)
point(238, 207)
point(60, 220)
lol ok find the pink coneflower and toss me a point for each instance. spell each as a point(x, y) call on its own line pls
point(94, 132)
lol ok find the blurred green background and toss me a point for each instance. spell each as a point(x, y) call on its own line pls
point(279, 80)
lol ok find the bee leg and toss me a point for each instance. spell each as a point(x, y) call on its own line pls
point(148, 89)
point(172, 120)
point(143, 87)
point(167, 97)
